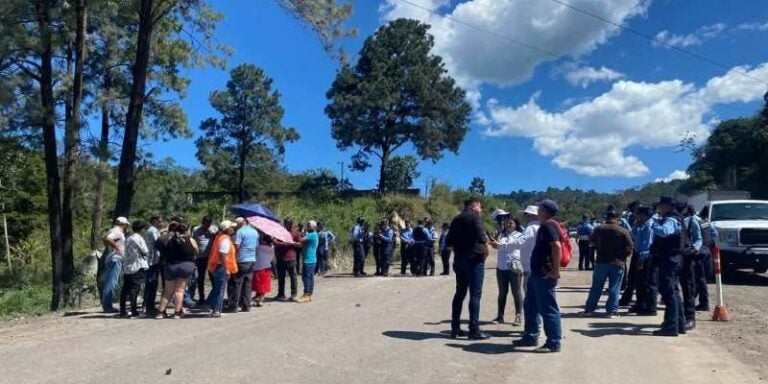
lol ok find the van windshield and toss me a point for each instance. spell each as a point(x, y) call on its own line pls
point(739, 211)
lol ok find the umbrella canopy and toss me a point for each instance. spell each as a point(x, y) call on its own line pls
point(271, 228)
point(254, 209)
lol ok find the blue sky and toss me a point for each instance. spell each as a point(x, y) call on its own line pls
point(604, 112)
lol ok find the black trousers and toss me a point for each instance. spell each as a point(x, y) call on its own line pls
point(152, 280)
point(322, 261)
point(419, 264)
point(585, 263)
point(688, 285)
point(359, 258)
point(445, 254)
point(286, 268)
point(429, 261)
point(701, 270)
point(629, 291)
point(202, 270)
point(651, 298)
point(509, 281)
point(239, 287)
point(406, 258)
point(131, 287)
point(385, 260)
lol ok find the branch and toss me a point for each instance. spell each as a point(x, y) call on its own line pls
point(158, 14)
point(23, 68)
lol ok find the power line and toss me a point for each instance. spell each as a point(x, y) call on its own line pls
point(658, 41)
point(481, 29)
point(605, 20)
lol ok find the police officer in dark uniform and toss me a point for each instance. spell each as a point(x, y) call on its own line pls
point(692, 244)
point(667, 250)
point(421, 238)
point(358, 236)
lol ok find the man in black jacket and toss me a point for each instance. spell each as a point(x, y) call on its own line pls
point(467, 238)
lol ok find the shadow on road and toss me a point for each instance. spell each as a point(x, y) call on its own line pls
point(415, 335)
point(617, 329)
point(462, 322)
point(488, 348)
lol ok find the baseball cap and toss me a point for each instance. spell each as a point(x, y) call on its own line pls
point(549, 205)
point(226, 224)
point(531, 210)
point(312, 224)
point(122, 221)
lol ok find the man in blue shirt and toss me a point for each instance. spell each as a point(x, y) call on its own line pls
point(693, 242)
point(430, 253)
point(239, 286)
point(667, 250)
point(584, 233)
point(326, 239)
point(406, 248)
point(645, 272)
point(358, 236)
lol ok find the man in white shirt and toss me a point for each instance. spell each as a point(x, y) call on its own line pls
point(134, 267)
point(114, 241)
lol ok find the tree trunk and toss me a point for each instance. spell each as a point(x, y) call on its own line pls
point(241, 175)
point(48, 123)
point(103, 150)
point(72, 146)
point(126, 167)
point(383, 170)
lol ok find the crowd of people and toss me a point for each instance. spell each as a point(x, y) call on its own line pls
point(238, 260)
point(660, 249)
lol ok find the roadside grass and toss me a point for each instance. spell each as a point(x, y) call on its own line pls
point(24, 291)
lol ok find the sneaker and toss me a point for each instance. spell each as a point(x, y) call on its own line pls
point(518, 321)
point(613, 315)
point(159, 316)
point(215, 314)
point(498, 320)
point(279, 298)
point(293, 299)
point(690, 325)
point(177, 316)
point(702, 308)
point(547, 349)
point(110, 310)
point(586, 314)
point(304, 299)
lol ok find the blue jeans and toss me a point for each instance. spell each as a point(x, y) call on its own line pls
point(613, 274)
point(218, 283)
point(469, 277)
point(111, 279)
point(540, 300)
point(308, 278)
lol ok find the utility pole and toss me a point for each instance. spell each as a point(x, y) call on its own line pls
point(5, 229)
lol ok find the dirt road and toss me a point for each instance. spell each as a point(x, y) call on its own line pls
point(371, 330)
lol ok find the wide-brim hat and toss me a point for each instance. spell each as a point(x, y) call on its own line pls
point(531, 210)
point(671, 201)
point(498, 213)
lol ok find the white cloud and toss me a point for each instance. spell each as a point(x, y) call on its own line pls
point(698, 37)
point(591, 137)
point(753, 26)
point(585, 75)
point(476, 56)
point(676, 175)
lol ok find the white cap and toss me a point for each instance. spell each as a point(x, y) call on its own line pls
point(498, 212)
point(122, 221)
point(240, 221)
point(226, 224)
point(312, 224)
point(531, 210)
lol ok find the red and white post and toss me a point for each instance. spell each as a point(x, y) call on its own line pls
point(721, 310)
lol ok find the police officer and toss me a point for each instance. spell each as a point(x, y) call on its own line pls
point(692, 244)
point(642, 235)
point(358, 235)
point(420, 239)
point(430, 255)
point(584, 233)
point(386, 237)
point(667, 249)
point(406, 248)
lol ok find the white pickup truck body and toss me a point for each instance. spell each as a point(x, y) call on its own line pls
point(742, 232)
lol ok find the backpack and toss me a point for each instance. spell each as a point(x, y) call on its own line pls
point(565, 244)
